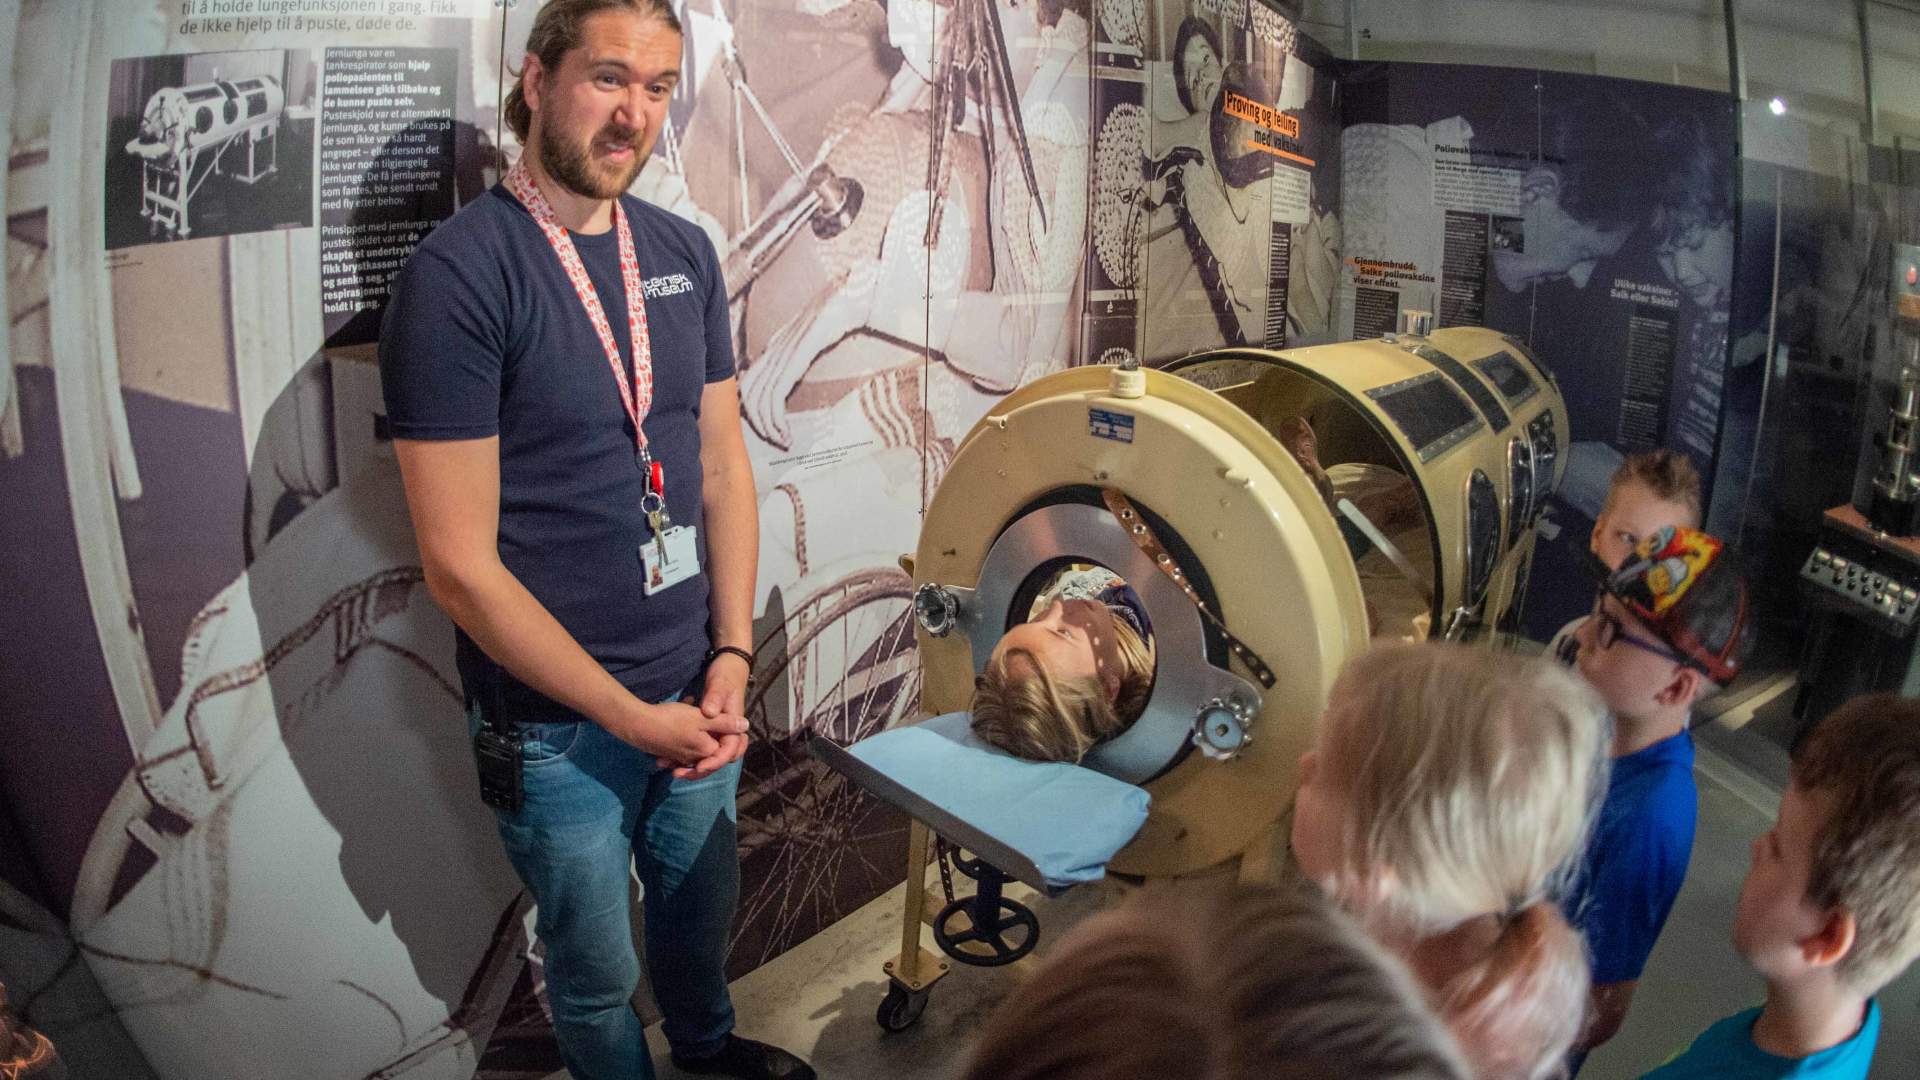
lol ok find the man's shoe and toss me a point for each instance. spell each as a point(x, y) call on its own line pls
point(747, 1060)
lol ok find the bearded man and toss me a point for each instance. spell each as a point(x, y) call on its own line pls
point(559, 377)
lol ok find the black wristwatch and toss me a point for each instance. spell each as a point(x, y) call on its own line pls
point(720, 650)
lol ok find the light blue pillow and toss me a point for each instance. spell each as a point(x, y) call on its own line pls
point(1051, 825)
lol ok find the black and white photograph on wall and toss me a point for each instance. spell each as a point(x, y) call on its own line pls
point(1307, 269)
point(1589, 217)
point(1228, 114)
point(209, 144)
point(274, 686)
point(1623, 288)
point(1116, 252)
point(1119, 33)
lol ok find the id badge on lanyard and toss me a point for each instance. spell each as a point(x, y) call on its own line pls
point(670, 555)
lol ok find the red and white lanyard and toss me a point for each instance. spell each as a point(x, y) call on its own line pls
point(635, 393)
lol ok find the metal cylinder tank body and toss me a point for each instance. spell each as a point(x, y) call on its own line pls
point(187, 130)
point(179, 118)
point(1469, 415)
point(1465, 415)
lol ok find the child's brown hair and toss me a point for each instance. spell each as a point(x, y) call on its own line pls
point(1197, 983)
point(1866, 856)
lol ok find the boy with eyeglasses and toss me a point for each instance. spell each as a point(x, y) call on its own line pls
point(1666, 630)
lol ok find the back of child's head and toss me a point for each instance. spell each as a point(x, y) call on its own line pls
point(1470, 781)
point(1209, 983)
point(1865, 757)
point(1026, 710)
point(1667, 475)
point(1471, 776)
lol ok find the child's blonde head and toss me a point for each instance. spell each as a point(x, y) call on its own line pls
point(1467, 783)
point(1668, 475)
point(1022, 708)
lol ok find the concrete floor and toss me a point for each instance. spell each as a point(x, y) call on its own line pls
point(819, 999)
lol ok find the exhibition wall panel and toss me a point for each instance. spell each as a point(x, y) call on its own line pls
point(238, 763)
point(236, 752)
point(1592, 218)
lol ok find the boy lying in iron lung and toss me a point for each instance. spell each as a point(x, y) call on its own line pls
point(1073, 676)
point(1080, 671)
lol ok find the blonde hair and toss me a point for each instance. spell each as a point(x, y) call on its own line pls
point(1866, 855)
point(1193, 983)
point(1669, 474)
point(1471, 781)
point(1023, 709)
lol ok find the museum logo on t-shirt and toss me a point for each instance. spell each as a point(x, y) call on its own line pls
point(668, 285)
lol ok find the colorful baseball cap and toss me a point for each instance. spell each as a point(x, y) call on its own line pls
point(1687, 587)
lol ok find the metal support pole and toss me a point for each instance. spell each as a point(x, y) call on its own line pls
point(1866, 69)
point(1353, 29)
point(1736, 63)
point(907, 968)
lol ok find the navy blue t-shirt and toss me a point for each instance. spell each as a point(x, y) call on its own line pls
point(1637, 858)
point(484, 335)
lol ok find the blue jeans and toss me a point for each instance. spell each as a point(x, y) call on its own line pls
point(591, 800)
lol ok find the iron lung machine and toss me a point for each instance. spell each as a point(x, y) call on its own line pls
point(185, 132)
point(1260, 579)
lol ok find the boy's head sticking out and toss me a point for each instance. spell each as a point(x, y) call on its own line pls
point(1649, 492)
point(1669, 626)
point(1834, 888)
point(1444, 803)
point(1059, 684)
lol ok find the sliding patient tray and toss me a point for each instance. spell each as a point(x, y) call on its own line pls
point(1051, 825)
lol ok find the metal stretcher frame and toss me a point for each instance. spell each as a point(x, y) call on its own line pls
point(171, 211)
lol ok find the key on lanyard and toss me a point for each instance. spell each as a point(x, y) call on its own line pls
point(654, 504)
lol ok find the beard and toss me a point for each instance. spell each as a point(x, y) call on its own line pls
point(570, 161)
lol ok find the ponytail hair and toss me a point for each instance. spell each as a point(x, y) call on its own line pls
point(1470, 782)
point(1519, 1001)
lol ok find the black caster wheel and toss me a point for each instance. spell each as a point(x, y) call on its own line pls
point(989, 927)
point(901, 1008)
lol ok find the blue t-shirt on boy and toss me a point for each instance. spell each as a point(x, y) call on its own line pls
point(1726, 1051)
point(1637, 858)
